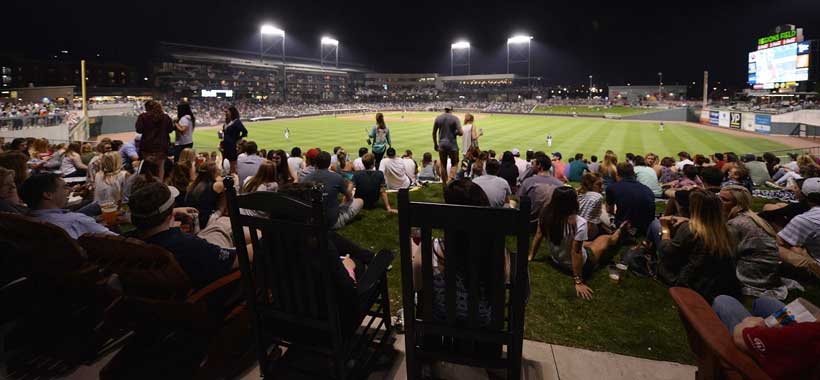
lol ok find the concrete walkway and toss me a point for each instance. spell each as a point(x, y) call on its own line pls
point(542, 361)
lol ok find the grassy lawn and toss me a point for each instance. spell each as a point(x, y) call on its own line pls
point(594, 110)
point(634, 317)
point(501, 132)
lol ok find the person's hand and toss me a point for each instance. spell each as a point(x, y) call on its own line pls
point(583, 291)
point(672, 221)
point(349, 264)
point(392, 211)
point(184, 211)
point(435, 147)
point(749, 322)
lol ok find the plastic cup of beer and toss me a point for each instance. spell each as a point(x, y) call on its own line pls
point(614, 273)
point(110, 213)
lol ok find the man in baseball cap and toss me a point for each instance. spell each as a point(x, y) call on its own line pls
point(310, 163)
point(800, 239)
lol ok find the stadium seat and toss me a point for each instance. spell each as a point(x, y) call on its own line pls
point(178, 332)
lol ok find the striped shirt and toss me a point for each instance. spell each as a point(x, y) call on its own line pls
point(589, 206)
point(801, 226)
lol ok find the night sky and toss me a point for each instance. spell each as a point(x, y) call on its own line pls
point(616, 42)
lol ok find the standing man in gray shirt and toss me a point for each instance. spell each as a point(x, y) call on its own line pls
point(448, 127)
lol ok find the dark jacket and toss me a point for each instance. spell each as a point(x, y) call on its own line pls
point(684, 262)
point(155, 133)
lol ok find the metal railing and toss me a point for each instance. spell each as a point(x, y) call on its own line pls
point(16, 123)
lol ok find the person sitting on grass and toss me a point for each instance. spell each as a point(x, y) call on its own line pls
point(590, 204)
point(357, 163)
point(577, 168)
point(540, 186)
point(567, 234)
point(699, 253)
point(783, 352)
point(794, 237)
point(758, 258)
point(369, 184)
point(647, 176)
point(337, 214)
point(559, 167)
point(309, 166)
point(429, 168)
point(497, 190)
point(630, 200)
point(509, 171)
point(395, 171)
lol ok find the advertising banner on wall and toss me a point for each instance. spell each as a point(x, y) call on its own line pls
point(723, 118)
point(704, 116)
point(763, 123)
point(734, 119)
point(747, 122)
point(713, 117)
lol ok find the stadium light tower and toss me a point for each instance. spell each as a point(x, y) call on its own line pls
point(590, 86)
point(270, 30)
point(330, 47)
point(660, 86)
point(517, 41)
point(459, 46)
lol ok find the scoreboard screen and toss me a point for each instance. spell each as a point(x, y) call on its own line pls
point(778, 66)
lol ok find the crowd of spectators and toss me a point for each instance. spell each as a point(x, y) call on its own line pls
point(16, 115)
point(708, 238)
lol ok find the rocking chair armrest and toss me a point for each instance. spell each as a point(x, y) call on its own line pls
point(202, 294)
point(376, 271)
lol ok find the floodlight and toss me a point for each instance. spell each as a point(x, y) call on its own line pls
point(518, 39)
point(460, 45)
point(330, 41)
point(272, 30)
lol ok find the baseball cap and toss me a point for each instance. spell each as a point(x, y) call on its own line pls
point(516, 152)
point(312, 153)
point(448, 107)
point(811, 186)
point(748, 157)
point(557, 154)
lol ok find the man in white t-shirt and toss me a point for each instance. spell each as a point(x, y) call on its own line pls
point(395, 172)
point(497, 189)
point(684, 159)
point(295, 161)
point(357, 163)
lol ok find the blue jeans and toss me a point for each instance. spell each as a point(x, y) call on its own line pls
point(731, 311)
point(653, 233)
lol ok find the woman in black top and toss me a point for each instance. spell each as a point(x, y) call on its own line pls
point(509, 171)
point(233, 132)
point(700, 254)
point(202, 193)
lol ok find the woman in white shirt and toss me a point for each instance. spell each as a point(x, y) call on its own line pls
point(470, 136)
point(184, 129)
point(567, 232)
point(72, 164)
point(110, 179)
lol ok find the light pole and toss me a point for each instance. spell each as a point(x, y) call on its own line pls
point(660, 86)
point(459, 45)
point(334, 50)
point(590, 86)
point(517, 40)
point(271, 30)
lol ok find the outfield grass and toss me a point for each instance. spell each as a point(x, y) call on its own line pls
point(635, 317)
point(501, 132)
point(594, 110)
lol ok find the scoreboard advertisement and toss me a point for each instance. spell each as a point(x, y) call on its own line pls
point(779, 66)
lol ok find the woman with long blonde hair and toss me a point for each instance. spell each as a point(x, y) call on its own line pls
point(471, 133)
point(110, 178)
point(699, 252)
point(758, 259)
point(609, 169)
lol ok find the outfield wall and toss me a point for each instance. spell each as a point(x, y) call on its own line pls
point(675, 114)
point(803, 123)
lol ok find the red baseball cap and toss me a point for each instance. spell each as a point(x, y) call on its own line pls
point(312, 153)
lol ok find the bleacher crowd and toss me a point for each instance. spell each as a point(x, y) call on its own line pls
point(708, 238)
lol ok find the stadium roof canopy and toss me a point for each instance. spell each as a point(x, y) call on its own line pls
point(251, 59)
point(480, 77)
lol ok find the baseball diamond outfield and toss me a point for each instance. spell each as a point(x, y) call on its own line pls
point(412, 130)
point(634, 317)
